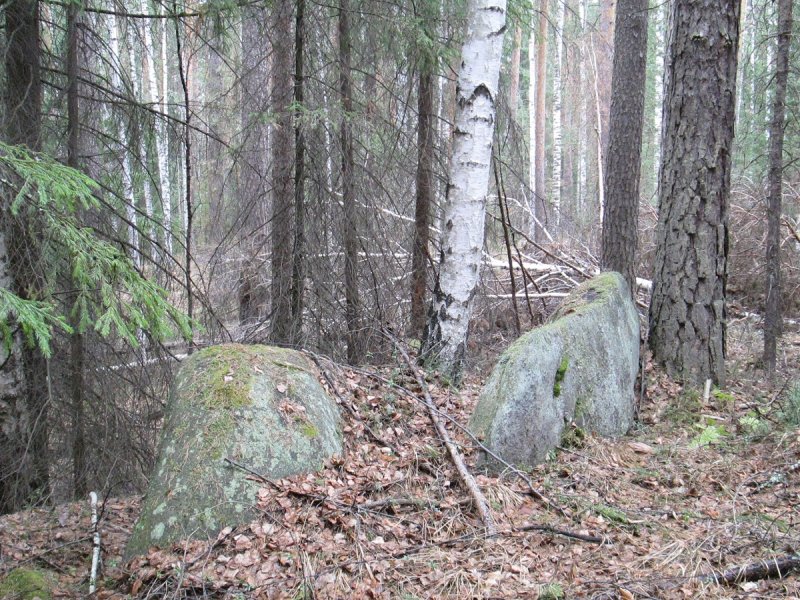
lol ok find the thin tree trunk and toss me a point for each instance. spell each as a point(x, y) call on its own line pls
point(583, 126)
point(79, 483)
point(532, 145)
point(282, 219)
point(122, 134)
point(253, 292)
point(604, 50)
point(557, 112)
point(622, 174)
point(187, 171)
point(151, 96)
point(688, 310)
point(513, 88)
point(350, 233)
point(298, 266)
point(445, 338)
point(426, 91)
point(773, 317)
point(539, 190)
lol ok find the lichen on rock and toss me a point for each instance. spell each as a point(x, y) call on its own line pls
point(579, 367)
point(260, 406)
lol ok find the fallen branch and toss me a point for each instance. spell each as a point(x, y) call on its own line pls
point(532, 491)
point(778, 567)
point(469, 481)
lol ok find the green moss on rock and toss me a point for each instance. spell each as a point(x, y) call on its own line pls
point(27, 584)
point(260, 406)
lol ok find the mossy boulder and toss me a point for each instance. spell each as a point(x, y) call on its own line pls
point(260, 406)
point(579, 367)
point(27, 584)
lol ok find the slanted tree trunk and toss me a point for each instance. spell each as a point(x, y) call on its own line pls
point(282, 220)
point(24, 470)
point(623, 162)
point(350, 229)
point(687, 311)
point(446, 333)
point(773, 317)
point(426, 91)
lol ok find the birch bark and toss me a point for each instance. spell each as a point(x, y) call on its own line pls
point(464, 212)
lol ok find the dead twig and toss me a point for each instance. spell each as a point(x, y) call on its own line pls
point(778, 567)
point(469, 481)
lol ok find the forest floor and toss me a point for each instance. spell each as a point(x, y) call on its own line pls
point(699, 486)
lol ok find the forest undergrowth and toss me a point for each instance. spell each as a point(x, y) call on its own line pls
point(703, 485)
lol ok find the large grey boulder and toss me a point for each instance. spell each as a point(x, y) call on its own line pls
point(260, 406)
point(579, 367)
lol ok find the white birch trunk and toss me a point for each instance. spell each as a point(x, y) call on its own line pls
point(138, 85)
point(151, 97)
point(557, 99)
point(122, 133)
point(464, 212)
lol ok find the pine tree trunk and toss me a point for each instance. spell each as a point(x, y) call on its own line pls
point(282, 220)
point(623, 166)
point(773, 317)
point(687, 311)
point(462, 243)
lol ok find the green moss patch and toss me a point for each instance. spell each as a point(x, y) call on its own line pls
point(27, 584)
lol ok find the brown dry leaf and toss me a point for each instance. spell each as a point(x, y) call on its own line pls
point(641, 447)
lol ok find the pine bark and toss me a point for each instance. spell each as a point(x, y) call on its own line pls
point(623, 162)
point(773, 317)
point(446, 333)
point(688, 311)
